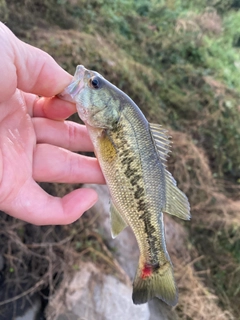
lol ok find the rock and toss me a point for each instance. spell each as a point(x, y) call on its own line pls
point(22, 308)
point(125, 243)
point(94, 295)
point(127, 252)
point(1, 262)
point(159, 310)
point(90, 294)
point(31, 311)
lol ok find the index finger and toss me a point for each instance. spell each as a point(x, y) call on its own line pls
point(28, 68)
point(51, 108)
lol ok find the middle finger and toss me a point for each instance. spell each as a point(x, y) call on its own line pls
point(65, 134)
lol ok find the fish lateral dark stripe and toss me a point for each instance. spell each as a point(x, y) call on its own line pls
point(139, 192)
point(129, 172)
point(134, 179)
point(141, 206)
point(152, 239)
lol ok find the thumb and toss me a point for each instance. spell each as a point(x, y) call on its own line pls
point(28, 68)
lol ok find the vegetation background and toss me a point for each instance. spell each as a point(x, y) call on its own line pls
point(180, 62)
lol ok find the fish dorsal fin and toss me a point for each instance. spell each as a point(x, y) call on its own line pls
point(176, 202)
point(161, 141)
point(117, 222)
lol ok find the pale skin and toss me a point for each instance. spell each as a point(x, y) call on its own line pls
point(36, 140)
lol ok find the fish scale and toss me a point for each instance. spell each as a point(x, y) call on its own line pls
point(132, 154)
point(140, 165)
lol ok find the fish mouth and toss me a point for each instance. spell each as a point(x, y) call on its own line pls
point(77, 84)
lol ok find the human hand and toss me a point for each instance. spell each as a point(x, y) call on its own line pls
point(36, 142)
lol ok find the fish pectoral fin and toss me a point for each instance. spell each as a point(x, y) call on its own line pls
point(161, 141)
point(117, 222)
point(176, 201)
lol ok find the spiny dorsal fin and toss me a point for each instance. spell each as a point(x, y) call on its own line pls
point(161, 141)
point(117, 222)
point(176, 202)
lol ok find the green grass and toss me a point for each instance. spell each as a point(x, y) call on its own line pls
point(164, 55)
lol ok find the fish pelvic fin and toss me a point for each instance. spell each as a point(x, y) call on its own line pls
point(117, 222)
point(152, 281)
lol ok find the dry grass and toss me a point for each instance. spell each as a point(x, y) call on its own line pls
point(207, 195)
point(196, 301)
point(38, 258)
point(35, 258)
point(41, 256)
point(215, 213)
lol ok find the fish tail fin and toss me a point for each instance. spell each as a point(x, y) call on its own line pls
point(155, 281)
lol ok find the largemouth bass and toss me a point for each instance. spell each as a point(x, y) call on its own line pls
point(132, 155)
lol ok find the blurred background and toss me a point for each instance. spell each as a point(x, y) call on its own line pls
point(180, 62)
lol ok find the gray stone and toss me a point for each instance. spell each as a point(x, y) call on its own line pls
point(125, 244)
point(159, 310)
point(1, 262)
point(94, 295)
point(32, 310)
point(127, 252)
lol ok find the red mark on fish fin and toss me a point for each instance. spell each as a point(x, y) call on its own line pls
point(146, 271)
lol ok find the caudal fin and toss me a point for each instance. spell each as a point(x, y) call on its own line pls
point(155, 282)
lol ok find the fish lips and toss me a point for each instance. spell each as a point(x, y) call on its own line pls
point(77, 84)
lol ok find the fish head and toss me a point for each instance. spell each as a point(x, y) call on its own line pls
point(98, 101)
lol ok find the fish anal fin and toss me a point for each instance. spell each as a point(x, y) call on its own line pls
point(117, 222)
point(176, 201)
point(158, 282)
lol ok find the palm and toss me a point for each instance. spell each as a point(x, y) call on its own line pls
point(17, 143)
point(24, 159)
point(36, 142)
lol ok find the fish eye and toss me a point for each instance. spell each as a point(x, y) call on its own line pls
point(95, 82)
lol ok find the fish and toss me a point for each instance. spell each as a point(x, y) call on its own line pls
point(132, 154)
